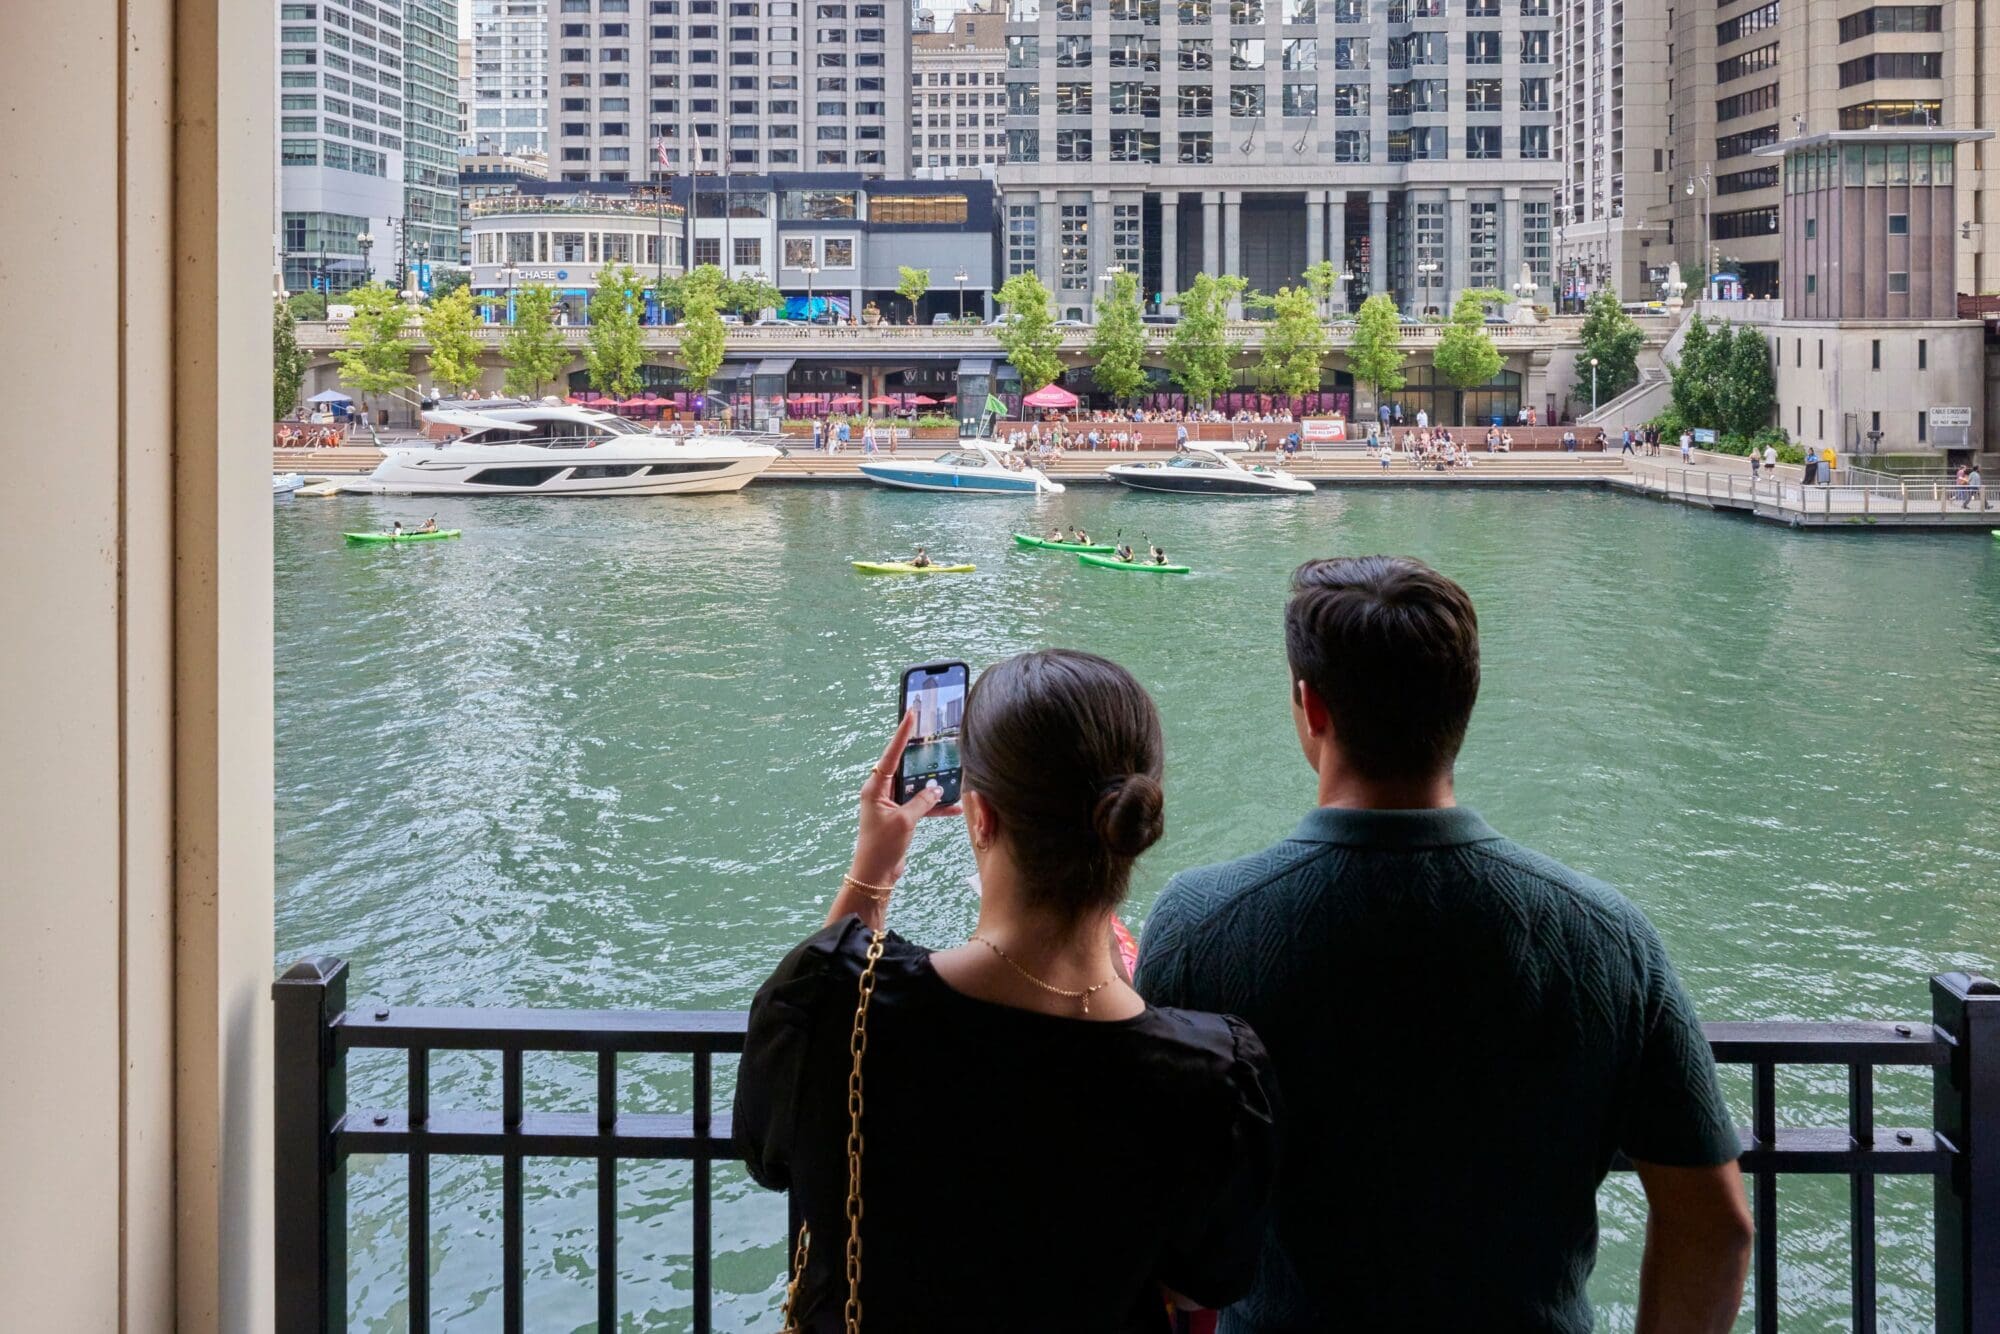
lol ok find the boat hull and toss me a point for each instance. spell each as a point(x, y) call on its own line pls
point(1129, 566)
point(1044, 544)
point(1164, 480)
point(907, 478)
point(503, 472)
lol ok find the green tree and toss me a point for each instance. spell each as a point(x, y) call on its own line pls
point(1614, 338)
point(288, 363)
point(1322, 279)
point(1376, 354)
point(703, 337)
point(1028, 334)
point(613, 349)
point(1694, 375)
point(751, 297)
point(308, 305)
point(1118, 344)
point(1200, 353)
point(448, 324)
point(376, 359)
point(1465, 357)
point(1748, 390)
point(446, 281)
point(534, 349)
point(1296, 344)
point(911, 285)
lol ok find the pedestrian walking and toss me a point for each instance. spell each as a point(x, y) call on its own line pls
point(1687, 447)
point(1626, 446)
point(1423, 418)
point(1974, 485)
point(1753, 467)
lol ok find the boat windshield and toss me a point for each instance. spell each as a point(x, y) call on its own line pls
point(1193, 461)
point(966, 459)
point(557, 432)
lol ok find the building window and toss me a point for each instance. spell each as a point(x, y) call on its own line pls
point(1875, 354)
point(1923, 425)
point(1899, 284)
point(1923, 354)
point(1537, 233)
point(1073, 255)
point(1197, 146)
point(708, 250)
point(1350, 145)
point(1899, 224)
point(1125, 247)
point(1483, 237)
point(1022, 222)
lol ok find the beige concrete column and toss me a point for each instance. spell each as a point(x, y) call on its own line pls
point(135, 696)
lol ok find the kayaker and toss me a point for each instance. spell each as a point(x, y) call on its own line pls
point(1082, 538)
point(396, 528)
point(1124, 552)
point(1159, 555)
point(430, 525)
point(1055, 534)
point(921, 560)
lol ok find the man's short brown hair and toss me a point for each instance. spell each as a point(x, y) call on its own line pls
point(1392, 647)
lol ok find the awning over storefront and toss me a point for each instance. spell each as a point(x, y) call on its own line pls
point(775, 366)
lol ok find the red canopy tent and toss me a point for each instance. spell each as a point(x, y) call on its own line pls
point(1050, 396)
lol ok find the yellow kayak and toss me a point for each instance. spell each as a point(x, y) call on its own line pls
point(904, 567)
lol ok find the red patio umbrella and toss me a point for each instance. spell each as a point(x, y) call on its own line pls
point(884, 401)
point(845, 401)
point(949, 398)
point(922, 401)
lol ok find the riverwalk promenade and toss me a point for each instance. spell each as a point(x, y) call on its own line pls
point(1711, 481)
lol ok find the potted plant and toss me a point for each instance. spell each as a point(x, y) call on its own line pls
point(871, 314)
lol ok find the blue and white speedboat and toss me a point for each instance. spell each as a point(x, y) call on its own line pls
point(974, 466)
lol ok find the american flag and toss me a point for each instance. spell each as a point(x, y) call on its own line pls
point(663, 152)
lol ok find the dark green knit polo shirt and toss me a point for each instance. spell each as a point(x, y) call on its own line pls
point(1464, 1032)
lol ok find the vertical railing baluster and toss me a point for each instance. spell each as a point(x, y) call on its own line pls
point(310, 1095)
point(703, 1149)
point(513, 1262)
point(607, 1195)
point(420, 1192)
point(1764, 1185)
point(1965, 1104)
point(1861, 1197)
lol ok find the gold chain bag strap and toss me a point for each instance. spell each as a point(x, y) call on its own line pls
point(857, 1046)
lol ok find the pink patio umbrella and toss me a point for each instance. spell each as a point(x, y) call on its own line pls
point(1050, 396)
point(845, 401)
point(885, 401)
point(923, 402)
point(949, 398)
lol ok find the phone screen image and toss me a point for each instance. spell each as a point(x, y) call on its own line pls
point(937, 692)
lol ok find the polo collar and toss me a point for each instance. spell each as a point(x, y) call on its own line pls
point(1450, 826)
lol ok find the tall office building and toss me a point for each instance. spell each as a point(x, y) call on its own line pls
point(1746, 77)
point(510, 76)
point(958, 93)
point(727, 86)
point(428, 223)
point(1410, 142)
point(1611, 137)
point(341, 141)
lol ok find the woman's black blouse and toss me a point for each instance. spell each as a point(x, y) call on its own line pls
point(1021, 1171)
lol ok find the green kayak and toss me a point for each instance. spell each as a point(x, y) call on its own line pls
point(1044, 544)
point(904, 567)
point(1130, 566)
point(437, 536)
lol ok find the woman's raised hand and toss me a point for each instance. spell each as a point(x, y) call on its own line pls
point(887, 825)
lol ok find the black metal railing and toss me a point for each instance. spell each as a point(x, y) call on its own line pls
point(316, 1133)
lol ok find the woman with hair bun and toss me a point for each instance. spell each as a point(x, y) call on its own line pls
point(1016, 1138)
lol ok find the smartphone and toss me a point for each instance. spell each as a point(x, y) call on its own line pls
point(937, 691)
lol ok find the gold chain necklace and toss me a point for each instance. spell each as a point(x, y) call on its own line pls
point(1067, 994)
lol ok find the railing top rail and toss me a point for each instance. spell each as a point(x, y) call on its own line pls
point(1838, 1043)
point(483, 1029)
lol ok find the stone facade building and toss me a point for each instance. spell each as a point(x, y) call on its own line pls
point(1409, 142)
point(1611, 137)
point(958, 94)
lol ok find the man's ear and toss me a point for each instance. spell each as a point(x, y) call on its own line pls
point(1319, 722)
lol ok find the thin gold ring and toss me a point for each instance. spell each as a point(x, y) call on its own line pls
point(883, 773)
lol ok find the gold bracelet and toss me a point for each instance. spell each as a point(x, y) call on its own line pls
point(873, 893)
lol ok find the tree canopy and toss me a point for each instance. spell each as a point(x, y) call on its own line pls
point(703, 337)
point(308, 305)
point(446, 281)
point(1028, 333)
point(1465, 357)
point(288, 363)
point(533, 348)
point(376, 359)
point(448, 323)
point(1296, 343)
point(1201, 355)
point(1322, 279)
point(1614, 338)
point(912, 284)
point(1723, 379)
point(737, 296)
point(613, 347)
point(1118, 343)
point(1376, 353)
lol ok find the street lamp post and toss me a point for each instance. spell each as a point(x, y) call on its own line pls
point(1424, 272)
point(367, 243)
point(1707, 179)
point(1109, 275)
point(809, 268)
point(1593, 386)
point(508, 271)
point(960, 278)
point(423, 266)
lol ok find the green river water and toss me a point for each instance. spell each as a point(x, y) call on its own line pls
point(601, 753)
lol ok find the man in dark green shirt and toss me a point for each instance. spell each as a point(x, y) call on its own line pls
point(1464, 1031)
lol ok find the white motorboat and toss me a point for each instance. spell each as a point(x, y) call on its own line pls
point(976, 466)
point(515, 449)
point(284, 483)
point(1205, 470)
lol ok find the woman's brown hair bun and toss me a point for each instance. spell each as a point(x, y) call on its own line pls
point(1130, 815)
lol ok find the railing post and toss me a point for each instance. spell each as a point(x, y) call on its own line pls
point(1966, 1107)
point(310, 1096)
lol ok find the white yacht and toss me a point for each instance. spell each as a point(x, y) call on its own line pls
point(976, 466)
point(1206, 470)
point(512, 449)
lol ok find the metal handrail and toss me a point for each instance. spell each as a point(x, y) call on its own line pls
point(1788, 494)
point(317, 1133)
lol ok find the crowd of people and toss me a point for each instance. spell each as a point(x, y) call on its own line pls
point(1043, 1128)
point(310, 435)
